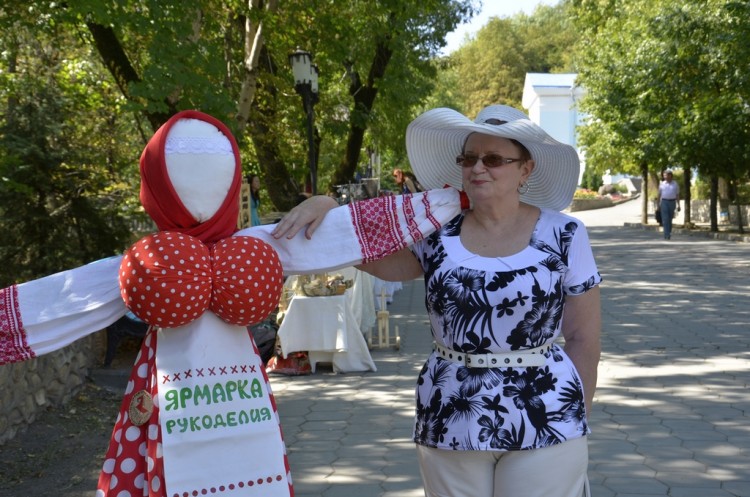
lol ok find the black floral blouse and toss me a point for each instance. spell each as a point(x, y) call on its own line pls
point(491, 305)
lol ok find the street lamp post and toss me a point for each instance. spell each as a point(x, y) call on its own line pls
point(306, 84)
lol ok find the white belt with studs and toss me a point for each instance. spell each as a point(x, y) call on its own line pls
point(515, 359)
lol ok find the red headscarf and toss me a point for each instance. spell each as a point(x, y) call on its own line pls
point(161, 201)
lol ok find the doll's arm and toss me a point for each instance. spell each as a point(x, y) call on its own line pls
point(44, 315)
point(363, 231)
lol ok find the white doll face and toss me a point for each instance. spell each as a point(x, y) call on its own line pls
point(200, 163)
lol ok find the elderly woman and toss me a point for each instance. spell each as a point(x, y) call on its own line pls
point(501, 406)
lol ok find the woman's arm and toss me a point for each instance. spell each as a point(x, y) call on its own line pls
point(357, 233)
point(581, 327)
point(401, 266)
point(308, 214)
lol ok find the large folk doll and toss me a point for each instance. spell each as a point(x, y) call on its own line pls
point(198, 416)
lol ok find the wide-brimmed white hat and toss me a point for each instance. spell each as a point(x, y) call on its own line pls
point(435, 138)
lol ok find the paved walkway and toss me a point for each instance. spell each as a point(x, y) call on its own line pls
point(672, 411)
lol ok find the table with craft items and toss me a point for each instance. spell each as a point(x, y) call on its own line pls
point(328, 329)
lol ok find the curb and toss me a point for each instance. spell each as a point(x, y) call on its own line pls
point(716, 235)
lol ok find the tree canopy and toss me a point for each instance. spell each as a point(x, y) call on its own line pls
point(491, 67)
point(84, 84)
point(665, 85)
point(65, 188)
point(111, 72)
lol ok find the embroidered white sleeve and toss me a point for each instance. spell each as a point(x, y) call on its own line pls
point(61, 308)
point(363, 231)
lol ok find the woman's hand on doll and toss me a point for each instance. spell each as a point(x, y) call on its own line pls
point(309, 213)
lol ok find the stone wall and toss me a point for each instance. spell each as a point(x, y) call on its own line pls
point(29, 387)
point(700, 212)
point(584, 204)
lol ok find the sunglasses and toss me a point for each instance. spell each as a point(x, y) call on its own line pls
point(489, 160)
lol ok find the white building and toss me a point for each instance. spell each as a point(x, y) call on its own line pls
point(551, 101)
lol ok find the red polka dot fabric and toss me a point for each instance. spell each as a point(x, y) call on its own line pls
point(247, 280)
point(133, 465)
point(168, 279)
point(165, 279)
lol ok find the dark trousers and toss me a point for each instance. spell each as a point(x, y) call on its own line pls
point(667, 208)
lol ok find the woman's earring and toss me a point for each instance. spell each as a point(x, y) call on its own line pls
point(523, 187)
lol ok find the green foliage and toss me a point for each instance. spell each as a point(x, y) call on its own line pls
point(614, 137)
point(164, 56)
point(84, 84)
point(591, 179)
point(491, 68)
point(177, 49)
point(344, 38)
point(664, 86)
point(701, 190)
point(445, 92)
point(64, 190)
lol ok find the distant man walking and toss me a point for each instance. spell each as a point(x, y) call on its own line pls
point(669, 202)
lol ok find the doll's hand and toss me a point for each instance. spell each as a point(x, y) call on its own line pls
point(309, 213)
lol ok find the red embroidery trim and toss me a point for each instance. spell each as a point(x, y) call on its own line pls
point(377, 228)
point(13, 344)
point(411, 221)
point(428, 212)
point(225, 370)
point(229, 486)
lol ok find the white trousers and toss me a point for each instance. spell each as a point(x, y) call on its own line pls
point(555, 471)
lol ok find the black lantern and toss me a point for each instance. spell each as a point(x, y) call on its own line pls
point(306, 84)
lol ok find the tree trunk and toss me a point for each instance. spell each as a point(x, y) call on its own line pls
point(12, 61)
point(253, 37)
point(736, 198)
point(282, 190)
point(644, 193)
point(118, 64)
point(687, 172)
point(740, 221)
point(364, 98)
point(714, 195)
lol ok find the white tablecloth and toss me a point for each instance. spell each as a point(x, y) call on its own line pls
point(361, 297)
point(327, 329)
